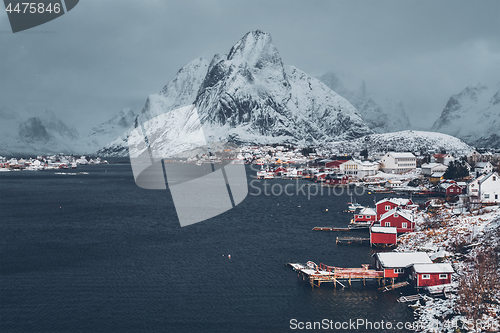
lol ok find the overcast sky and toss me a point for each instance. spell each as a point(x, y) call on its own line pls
point(104, 56)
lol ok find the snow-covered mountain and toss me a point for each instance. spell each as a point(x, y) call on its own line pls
point(108, 131)
point(249, 96)
point(28, 134)
point(382, 116)
point(403, 141)
point(473, 115)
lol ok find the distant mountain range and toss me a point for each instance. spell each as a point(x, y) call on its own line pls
point(473, 115)
point(382, 116)
point(249, 96)
point(27, 134)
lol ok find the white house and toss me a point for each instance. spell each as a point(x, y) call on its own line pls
point(399, 162)
point(442, 158)
point(429, 168)
point(483, 167)
point(358, 169)
point(485, 188)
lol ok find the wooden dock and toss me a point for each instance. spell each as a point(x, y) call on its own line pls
point(337, 229)
point(323, 273)
point(394, 286)
point(349, 240)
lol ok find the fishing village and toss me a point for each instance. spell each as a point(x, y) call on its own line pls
point(434, 232)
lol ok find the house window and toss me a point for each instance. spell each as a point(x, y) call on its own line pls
point(443, 276)
point(496, 196)
point(396, 215)
point(486, 196)
point(387, 224)
point(360, 216)
point(426, 276)
point(399, 270)
point(451, 190)
point(367, 216)
point(494, 178)
point(387, 208)
point(404, 225)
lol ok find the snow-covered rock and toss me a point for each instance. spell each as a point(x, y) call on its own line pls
point(473, 115)
point(413, 141)
point(249, 96)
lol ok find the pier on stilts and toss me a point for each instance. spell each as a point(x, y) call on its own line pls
point(317, 274)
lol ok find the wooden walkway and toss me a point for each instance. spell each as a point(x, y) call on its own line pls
point(339, 229)
point(350, 240)
point(394, 286)
point(323, 273)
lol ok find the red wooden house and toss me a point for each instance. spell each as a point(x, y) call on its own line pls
point(450, 188)
point(397, 264)
point(383, 236)
point(336, 179)
point(366, 215)
point(279, 171)
point(385, 205)
point(335, 165)
point(426, 275)
point(400, 218)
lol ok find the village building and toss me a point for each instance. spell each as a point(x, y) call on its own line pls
point(436, 177)
point(387, 204)
point(450, 188)
point(426, 275)
point(359, 169)
point(483, 167)
point(402, 219)
point(383, 236)
point(333, 179)
point(366, 215)
point(334, 166)
point(442, 158)
point(393, 184)
point(397, 264)
point(398, 162)
point(430, 168)
point(485, 189)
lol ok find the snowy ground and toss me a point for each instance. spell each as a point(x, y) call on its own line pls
point(451, 229)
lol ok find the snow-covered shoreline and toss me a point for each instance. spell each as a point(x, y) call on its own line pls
point(465, 238)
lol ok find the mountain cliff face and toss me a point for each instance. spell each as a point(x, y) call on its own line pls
point(382, 116)
point(249, 96)
point(472, 115)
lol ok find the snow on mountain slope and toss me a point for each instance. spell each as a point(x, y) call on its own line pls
point(413, 141)
point(108, 131)
point(249, 96)
point(181, 91)
point(23, 133)
point(382, 116)
point(472, 115)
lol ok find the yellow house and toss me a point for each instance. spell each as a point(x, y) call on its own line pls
point(436, 177)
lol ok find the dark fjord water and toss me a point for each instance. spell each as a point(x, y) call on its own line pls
point(96, 253)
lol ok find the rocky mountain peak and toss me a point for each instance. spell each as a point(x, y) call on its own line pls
point(256, 48)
